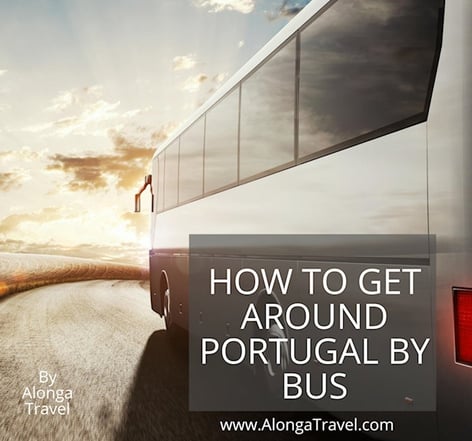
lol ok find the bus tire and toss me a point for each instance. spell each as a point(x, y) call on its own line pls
point(167, 305)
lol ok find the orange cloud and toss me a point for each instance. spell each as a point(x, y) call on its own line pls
point(12, 179)
point(8, 181)
point(12, 222)
point(88, 172)
point(126, 164)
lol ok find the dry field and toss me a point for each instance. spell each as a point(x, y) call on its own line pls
point(20, 272)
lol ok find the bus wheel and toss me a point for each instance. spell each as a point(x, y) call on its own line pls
point(166, 304)
point(167, 311)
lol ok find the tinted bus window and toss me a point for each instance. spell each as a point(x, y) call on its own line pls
point(364, 65)
point(191, 162)
point(267, 114)
point(171, 174)
point(221, 143)
point(160, 182)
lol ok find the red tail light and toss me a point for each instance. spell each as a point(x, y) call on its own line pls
point(463, 324)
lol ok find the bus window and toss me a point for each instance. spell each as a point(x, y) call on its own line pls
point(267, 115)
point(364, 65)
point(171, 171)
point(221, 143)
point(160, 183)
point(191, 162)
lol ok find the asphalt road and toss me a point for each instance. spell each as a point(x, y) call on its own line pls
point(129, 381)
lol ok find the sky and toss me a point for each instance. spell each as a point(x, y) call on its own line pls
point(88, 90)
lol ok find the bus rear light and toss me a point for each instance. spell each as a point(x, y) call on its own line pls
point(463, 324)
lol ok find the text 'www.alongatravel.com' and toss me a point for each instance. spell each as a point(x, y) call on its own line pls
point(299, 427)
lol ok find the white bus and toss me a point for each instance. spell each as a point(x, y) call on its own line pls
point(354, 119)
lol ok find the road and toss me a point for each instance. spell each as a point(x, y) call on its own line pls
point(127, 379)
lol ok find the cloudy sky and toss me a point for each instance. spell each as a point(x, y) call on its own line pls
point(88, 89)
